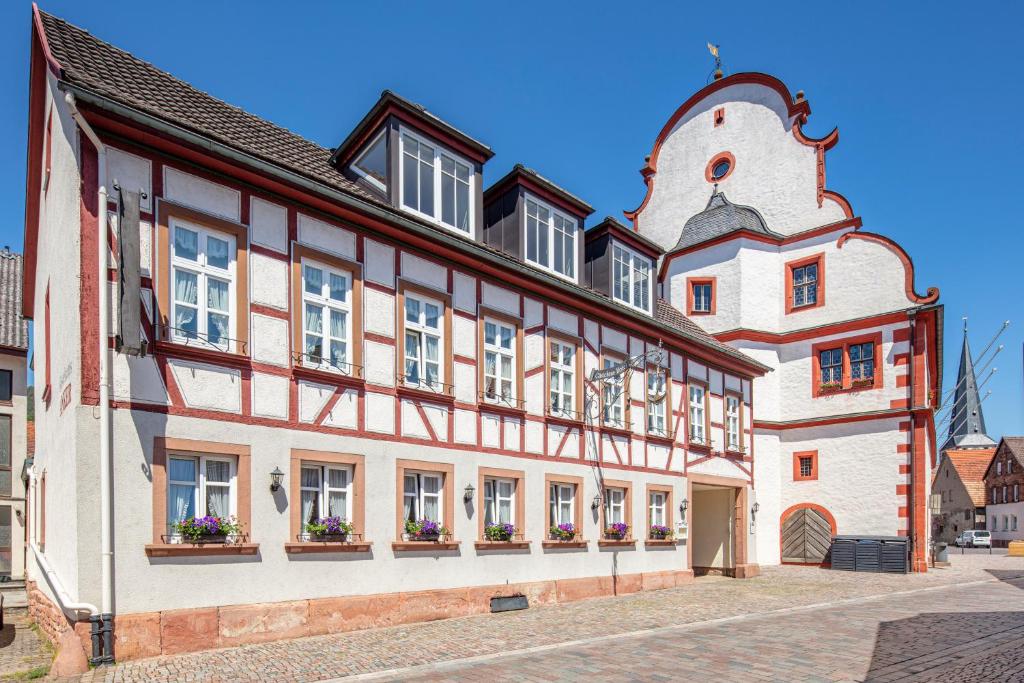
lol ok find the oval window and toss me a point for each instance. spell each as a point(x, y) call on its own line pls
point(720, 169)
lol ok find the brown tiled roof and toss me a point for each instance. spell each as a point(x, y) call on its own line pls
point(30, 438)
point(970, 466)
point(13, 327)
point(101, 68)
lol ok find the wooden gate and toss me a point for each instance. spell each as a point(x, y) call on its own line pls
point(806, 537)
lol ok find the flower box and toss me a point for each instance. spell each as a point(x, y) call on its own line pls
point(660, 533)
point(329, 529)
point(829, 388)
point(619, 531)
point(501, 533)
point(424, 530)
point(863, 383)
point(207, 530)
point(562, 532)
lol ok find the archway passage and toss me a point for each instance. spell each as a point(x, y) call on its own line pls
point(806, 536)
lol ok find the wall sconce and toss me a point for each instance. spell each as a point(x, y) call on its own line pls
point(467, 495)
point(753, 511)
point(596, 502)
point(275, 479)
point(682, 507)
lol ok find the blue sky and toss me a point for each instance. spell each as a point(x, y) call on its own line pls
point(927, 102)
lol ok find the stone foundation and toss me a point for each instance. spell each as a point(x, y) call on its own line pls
point(176, 631)
point(62, 632)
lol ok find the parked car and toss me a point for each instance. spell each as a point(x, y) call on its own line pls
point(973, 539)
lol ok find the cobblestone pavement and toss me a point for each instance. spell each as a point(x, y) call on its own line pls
point(578, 644)
point(21, 648)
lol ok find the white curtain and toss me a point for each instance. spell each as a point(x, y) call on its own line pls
point(314, 280)
point(181, 496)
point(339, 288)
point(310, 479)
point(217, 253)
point(409, 497)
point(186, 244)
point(216, 295)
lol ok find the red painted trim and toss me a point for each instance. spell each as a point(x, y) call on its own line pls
point(908, 265)
point(818, 259)
point(329, 405)
point(51, 61)
point(800, 108)
point(834, 420)
point(815, 332)
point(269, 311)
point(719, 117)
point(797, 457)
point(89, 299)
point(378, 338)
point(265, 251)
point(690, 282)
point(847, 386)
point(715, 160)
point(806, 506)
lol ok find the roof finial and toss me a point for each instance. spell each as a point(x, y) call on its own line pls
point(965, 324)
point(713, 49)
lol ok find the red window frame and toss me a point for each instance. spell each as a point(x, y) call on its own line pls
point(690, 283)
point(818, 259)
point(845, 344)
point(797, 456)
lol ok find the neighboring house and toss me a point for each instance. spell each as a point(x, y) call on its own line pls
point(366, 333)
point(960, 484)
point(13, 376)
point(1004, 479)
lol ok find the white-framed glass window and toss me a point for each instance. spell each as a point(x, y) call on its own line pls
point(326, 491)
point(436, 183)
point(200, 485)
point(657, 397)
point(614, 506)
point(1006, 523)
point(422, 497)
point(562, 382)
point(805, 285)
point(658, 506)
point(372, 164)
point(999, 467)
point(499, 501)
point(701, 297)
point(1013, 522)
point(326, 316)
point(698, 414)
point(631, 278)
point(831, 361)
point(499, 361)
point(1005, 499)
point(562, 503)
point(732, 422)
point(1016, 492)
point(202, 284)
point(613, 397)
point(862, 361)
point(550, 238)
point(424, 341)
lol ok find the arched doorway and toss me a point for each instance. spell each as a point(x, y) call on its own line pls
point(806, 532)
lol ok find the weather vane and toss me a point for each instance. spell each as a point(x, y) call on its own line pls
point(713, 49)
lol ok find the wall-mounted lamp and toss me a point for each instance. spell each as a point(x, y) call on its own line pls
point(596, 502)
point(467, 495)
point(275, 479)
point(683, 504)
point(753, 511)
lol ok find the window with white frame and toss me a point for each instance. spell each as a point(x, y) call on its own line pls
point(614, 506)
point(658, 508)
point(732, 422)
point(701, 297)
point(499, 361)
point(421, 498)
point(999, 468)
point(499, 501)
point(1013, 522)
point(831, 361)
point(200, 485)
point(1005, 499)
point(1006, 523)
point(613, 396)
point(1016, 492)
point(698, 414)
point(862, 361)
point(562, 503)
point(203, 285)
point(657, 397)
point(436, 183)
point(372, 164)
point(424, 341)
point(805, 285)
point(631, 278)
point(550, 238)
point(562, 366)
point(325, 492)
point(326, 316)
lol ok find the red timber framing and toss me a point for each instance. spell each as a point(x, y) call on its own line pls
point(161, 151)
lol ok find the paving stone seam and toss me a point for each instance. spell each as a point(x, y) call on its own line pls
point(436, 666)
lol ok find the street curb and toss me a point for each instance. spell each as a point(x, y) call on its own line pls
point(435, 666)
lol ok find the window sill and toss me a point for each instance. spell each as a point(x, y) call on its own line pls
point(659, 542)
point(617, 543)
point(201, 550)
point(554, 418)
point(701, 447)
point(401, 546)
point(424, 394)
point(564, 544)
point(617, 431)
point(734, 453)
point(820, 393)
point(306, 547)
point(790, 310)
point(501, 409)
point(326, 376)
point(660, 438)
point(502, 545)
point(178, 350)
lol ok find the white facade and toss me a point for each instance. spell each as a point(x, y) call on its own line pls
point(1006, 522)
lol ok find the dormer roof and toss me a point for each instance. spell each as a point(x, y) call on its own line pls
point(416, 115)
point(624, 234)
point(721, 217)
point(541, 186)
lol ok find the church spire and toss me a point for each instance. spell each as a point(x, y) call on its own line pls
point(967, 424)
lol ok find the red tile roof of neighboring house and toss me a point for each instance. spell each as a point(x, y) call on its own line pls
point(970, 466)
point(30, 438)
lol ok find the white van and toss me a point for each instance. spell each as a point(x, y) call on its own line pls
point(973, 539)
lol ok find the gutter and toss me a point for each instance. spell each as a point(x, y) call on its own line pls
point(383, 214)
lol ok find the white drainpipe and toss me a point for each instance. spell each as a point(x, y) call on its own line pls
point(106, 545)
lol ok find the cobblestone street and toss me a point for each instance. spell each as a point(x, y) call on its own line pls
point(791, 623)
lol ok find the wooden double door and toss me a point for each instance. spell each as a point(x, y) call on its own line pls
point(806, 537)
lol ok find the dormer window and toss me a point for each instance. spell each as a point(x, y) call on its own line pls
point(550, 239)
point(436, 184)
point(631, 278)
point(372, 164)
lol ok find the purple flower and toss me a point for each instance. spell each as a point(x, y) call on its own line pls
point(563, 532)
point(499, 532)
point(660, 531)
point(617, 530)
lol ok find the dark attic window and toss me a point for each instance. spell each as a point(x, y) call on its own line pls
point(372, 164)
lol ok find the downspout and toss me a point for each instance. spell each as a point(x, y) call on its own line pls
point(911, 509)
point(103, 247)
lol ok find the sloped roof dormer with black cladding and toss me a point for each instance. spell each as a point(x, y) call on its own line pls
point(115, 86)
point(603, 242)
point(721, 217)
